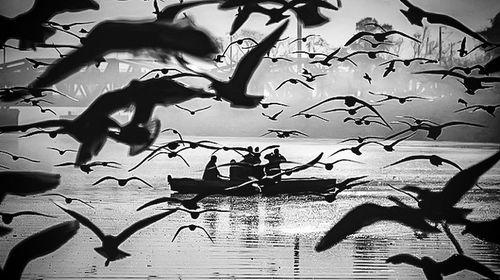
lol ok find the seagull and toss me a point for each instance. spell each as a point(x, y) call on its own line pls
point(191, 204)
point(390, 147)
point(329, 165)
point(68, 25)
point(8, 217)
point(349, 101)
point(490, 109)
point(463, 51)
point(164, 71)
point(16, 157)
point(35, 63)
point(192, 228)
point(360, 139)
point(368, 78)
point(303, 39)
point(193, 112)
point(109, 248)
point(436, 270)
point(294, 81)
point(23, 183)
point(273, 117)
point(68, 200)
point(308, 116)
point(355, 150)
point(122, 182)
point(62, 152)
point(401, 100)
point(350, 111)
point(266, 105)
point(433, 131)
point(472, 84)
point(195, 214)
point(368, 214)
point(284, 133)
point(37, 245)
point(433, 159)
point(379, 37)
point(87, 168)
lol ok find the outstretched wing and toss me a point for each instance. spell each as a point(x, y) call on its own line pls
point(356, 37)
point(410, 158)
point(157, 201)
point(405, 258)
point(247, 65)
point(449, 21)
point(104, 179)
point(459, 262)
point(37, 245)
point(141, 224)
point(84, 221)
point(177, 232)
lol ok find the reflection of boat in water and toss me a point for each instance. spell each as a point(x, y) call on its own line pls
point(9, 116)
point(285, 186)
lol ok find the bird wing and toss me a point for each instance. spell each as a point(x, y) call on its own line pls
point(277, 114)
point(452, 163)
point(449, 21)
point(125, 234)
point(441, 72)
point(141, 180)
point(206, 232)
point(158, 201)
point(372, 108)
point(38, 245)
point(32, 213)
point(341, 150)
point(410, 158)
point(177, 232)
point(84, 221)
point(247, 65)
point(202, 109)
point(367, 214)
point(306, 85)
point(459, 262)
point(104, 179)
point(405, 258)
point(282, 83)
point(65, 164)
point(300, 167)
point(356, 37)
point(464, 180)
point(402, 34)
point(321, 118)
point(182, 108)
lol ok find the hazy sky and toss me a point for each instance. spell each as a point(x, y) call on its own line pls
point(475, 14)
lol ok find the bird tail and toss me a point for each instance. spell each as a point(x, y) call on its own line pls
point(115, 254)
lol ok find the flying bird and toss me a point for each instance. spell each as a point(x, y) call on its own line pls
point(361, 139)
point(266, 105)
point(62, 152)
point(436, 270)
point(433, 131)
point(379, 37)
point(329, 165)
point(490, 109)
point(308, 116)
point(111, 36)
point(463, 51)
point(17, 157)
point(415, 16)
point(109, 248)
point(368, 78)
point(355, 150)
point(191, 204)
point(192, 228)
point(122, 182)
point(87, 168)
point(163, 71)
point(8, 217)
point(303, 39)
point(433, 159)
point(193, 112)
point(68, 199)
point(368, 214)
point(273, 117)
point(349, 101)
point(30, 27)
point(401, 100)
point(35, 246)
point(23, 183)
point(284, 133)
point(195, 214)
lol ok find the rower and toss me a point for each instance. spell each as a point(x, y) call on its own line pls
point(273, 167)
point(211, 172)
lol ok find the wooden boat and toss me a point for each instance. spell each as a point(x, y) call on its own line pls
point(285, 186)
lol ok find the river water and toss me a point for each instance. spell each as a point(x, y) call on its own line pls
point(261, 237)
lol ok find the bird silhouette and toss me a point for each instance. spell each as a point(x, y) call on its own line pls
point(311, 54)
point(68, 26)
point(361, 139)
point(192, 228)
point(277, 59)
point(110, 36)
point(35, 63)
point(17, 157)
point(368, 78)
point(484, 230)
point(463, 102)
point(349, 101)
point(234, 90)
point(364, 120)
point(193, 112)
point(433, 159)
point(67, 199)
point(191, 204)
point(472, 84)
point(328, 57)
point(35, 246)
point(311, 78)
point(436, 270)
point(368, 214)
point(110, 243)
point(418, 120)
point(87, 168)
point(463, 51)
point(163, 71)
point(490, 109)
point(303, 39)
point(122, 182)
point(375, 44)
point(355, 150)
point(45, 110)
point(401, 100)
point(329, 165)
point(415, 16)
point(23, 183)
point(195, 214)
point(273, 117)
point(284, 133)
point(379, 37)
point(62, 152)
point(266, 105)
point(8, 217)
point(390, 147)
point(433, 131)
point(30, 27)
point(350, 111)
point(308, 116)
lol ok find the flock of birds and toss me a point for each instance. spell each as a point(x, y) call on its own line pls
point(159, 38)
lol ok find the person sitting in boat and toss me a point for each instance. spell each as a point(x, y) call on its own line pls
point(252, 158)
point(273, 167)
point(233, 171)
point(211, 172)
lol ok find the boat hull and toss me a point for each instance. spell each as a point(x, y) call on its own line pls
point(285, 186)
